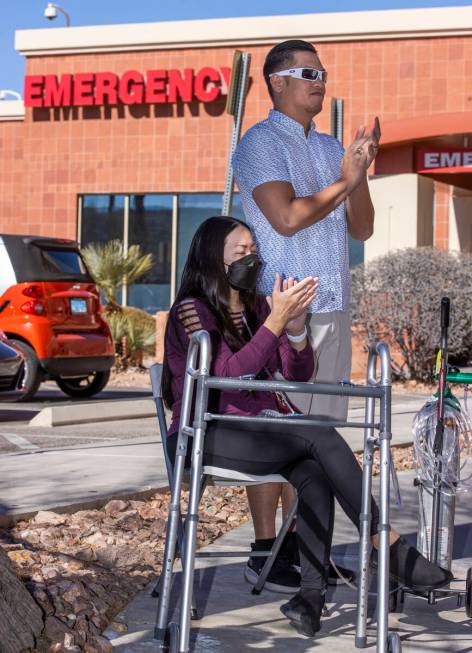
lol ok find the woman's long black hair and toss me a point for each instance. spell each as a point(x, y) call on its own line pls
point(204, 277)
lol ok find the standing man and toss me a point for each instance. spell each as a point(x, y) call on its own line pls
point(302, 194)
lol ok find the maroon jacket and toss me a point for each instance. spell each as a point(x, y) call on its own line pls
point(263, 350)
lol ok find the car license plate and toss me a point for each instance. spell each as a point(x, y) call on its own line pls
point(78, 306)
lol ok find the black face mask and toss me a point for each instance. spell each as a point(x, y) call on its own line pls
point(243, 273)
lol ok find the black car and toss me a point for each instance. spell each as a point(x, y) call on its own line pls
point(11, 366)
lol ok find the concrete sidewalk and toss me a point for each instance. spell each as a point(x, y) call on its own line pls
point(236, 621)
point(45, 478)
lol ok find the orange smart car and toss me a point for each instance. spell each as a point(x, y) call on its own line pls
point(50, 310)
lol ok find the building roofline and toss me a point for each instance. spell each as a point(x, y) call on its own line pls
point(339, 26)
point(12, 110)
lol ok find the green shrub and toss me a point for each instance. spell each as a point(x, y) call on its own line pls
point(134, 333)
point(398, 297)
point(140, 317)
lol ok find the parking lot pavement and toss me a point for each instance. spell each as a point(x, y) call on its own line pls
point(16, 434)
point(238, 621)
point(49, 393)
point(78, 434)
point(51, 467)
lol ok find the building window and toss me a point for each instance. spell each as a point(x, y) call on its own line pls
point(150, 221)
point(102, 218)
point(195, 208)
point(150, 227)
point(237, 208)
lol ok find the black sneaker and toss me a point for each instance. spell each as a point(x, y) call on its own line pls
point(283, 577)
point(304, 611)
point(410, 568)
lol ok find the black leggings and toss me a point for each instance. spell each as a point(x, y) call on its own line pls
point(317, 461)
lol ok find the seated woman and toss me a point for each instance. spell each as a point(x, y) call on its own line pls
point(254, 335)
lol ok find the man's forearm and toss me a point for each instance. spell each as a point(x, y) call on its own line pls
point(360, 212)
point(302, 212)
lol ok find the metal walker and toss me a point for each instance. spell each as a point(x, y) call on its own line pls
point(175, 638)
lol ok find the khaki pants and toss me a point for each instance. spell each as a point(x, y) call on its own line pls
point(330, 337)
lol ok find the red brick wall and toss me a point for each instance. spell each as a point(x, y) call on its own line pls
point(11, 176)
point(46, 163)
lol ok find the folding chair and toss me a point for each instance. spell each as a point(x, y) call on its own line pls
point(217, 476)
point(175, 638)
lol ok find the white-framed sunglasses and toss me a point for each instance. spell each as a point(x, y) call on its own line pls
point(311, 74)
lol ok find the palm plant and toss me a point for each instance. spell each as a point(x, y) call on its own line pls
point(111, 267)
point(133, 330)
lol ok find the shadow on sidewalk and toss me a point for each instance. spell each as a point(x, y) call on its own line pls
point(234, 620)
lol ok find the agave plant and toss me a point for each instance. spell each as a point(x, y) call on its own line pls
point(111, 267)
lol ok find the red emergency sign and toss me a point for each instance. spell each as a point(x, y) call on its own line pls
point(132, 87)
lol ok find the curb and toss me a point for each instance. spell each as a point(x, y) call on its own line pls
point(106, 411)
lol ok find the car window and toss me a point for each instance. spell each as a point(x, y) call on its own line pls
point(62, 261)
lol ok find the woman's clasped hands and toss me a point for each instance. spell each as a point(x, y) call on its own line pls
point(289, 303)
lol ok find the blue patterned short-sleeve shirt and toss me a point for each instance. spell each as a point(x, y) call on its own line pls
point(276, 149)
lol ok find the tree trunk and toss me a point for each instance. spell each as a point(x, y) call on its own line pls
point(21, 619)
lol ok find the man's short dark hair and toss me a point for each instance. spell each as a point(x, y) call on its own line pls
point(281, 56)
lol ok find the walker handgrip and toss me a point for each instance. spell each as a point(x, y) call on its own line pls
point(445, 305)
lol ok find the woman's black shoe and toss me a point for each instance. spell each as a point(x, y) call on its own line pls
point(283, 578)
point(411, 569)
point(304, 611)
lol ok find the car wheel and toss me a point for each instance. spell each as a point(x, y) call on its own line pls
point(85, 386)
point(31, 378)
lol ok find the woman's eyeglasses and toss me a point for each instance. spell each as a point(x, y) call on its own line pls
point(312, 74)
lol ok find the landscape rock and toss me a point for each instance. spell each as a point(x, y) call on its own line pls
point(49, 517)
point(43, 600)
point(84, 567)
point(148, 512)
point(98, 644)
point(115, 506)
point(56, 630)
point(81, 629)
point(158, 527)
point(86, 553)
point(119, 626)
point(95, 539)
point(129, 520)
point(74, 592)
